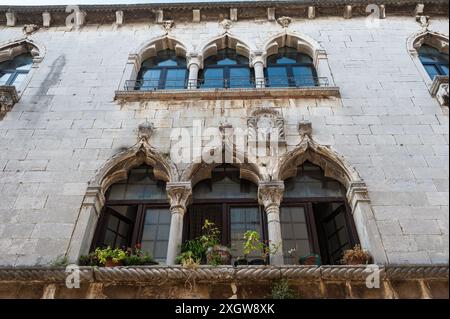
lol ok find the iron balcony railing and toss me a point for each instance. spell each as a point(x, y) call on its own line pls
point(232, 83)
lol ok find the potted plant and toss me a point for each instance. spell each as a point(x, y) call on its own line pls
point(356, 256)
point(216, 254)
point(137, 257)
point(110, 257)
point(252, 243)
point(311, 260)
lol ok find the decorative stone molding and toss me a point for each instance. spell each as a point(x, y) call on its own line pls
point(311, 12)
point(271, 14)
point(357, 192)
point(159, 16)
point(270, 193)
point(29, 29)
point(8, 97)
point(424, 21)
point(265, 123)
point(226, 24)
point(284, 21)
point(11, 19)
point(179, 194)
point(409, 281)
point(119, 18)
point(305, 128)
point(439, 89)
point(168, 25)
point(234, 14)
point(196, 16)
point(146, 130)
point(348, 12)
point(420, 7)
point(46, 19)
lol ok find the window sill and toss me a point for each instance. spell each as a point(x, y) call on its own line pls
point(214, 94)
point(8, 97)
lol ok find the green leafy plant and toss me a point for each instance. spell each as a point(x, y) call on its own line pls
point(210, 236)
point(355, 256)
point(188, 260)
point(138, 257)
point(214, 259)
point(116, 255)
point(60, 261)
point(89, 260)
point(281, 290)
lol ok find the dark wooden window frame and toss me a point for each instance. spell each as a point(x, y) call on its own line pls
point(138, 222)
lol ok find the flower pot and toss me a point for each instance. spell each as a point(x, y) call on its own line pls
point(111, 263)
point(222, 251)
point(241, 262)
point(258, 262)
point(311, 260)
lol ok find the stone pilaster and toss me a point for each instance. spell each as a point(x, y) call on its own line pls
point(179, 195)
point(270, 195)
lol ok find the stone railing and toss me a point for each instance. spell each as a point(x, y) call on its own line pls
point(8, 97)
point(411, 281)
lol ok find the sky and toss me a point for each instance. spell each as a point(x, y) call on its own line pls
point(81, 2)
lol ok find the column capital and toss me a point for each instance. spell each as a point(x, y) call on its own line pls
point(179, 194)
point(194, 58)
point(257, 57)
point(270, 193)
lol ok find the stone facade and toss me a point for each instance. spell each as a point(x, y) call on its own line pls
point(376, 128)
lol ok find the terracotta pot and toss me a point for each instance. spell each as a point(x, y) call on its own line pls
point(111, 263)
point(222, 251)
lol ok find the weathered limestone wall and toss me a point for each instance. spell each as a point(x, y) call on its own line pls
point(67, 125)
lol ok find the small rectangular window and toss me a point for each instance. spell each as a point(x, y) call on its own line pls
point(155, 235)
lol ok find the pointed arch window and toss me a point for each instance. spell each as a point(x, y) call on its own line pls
point(290, 68)
point(166, 71)
point(136, 211)
point(13, 72)
point(434, 61)
point(315, 217)
point(226, 69)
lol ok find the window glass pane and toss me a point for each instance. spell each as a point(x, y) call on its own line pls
point(20, 77)
point(431, 70)
point(213, 78)
point(110, 238)
point(176, 78)
point(294, 233)
point(445, 69)
point(243, 219)
point(151, 79)
point(240, 78)
point(113, 222)
point(303, 76)
point(4, 77)
point(156, 233)
point(277, 77)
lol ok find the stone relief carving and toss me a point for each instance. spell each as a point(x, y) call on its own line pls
point(226, 24)
point(146, 130)
point(8, 97)
point(442, 94)
point(271, 193)
point(284, 21)
point(29, 29)
point(168, 25)
point(266, 124)
point(179, 194)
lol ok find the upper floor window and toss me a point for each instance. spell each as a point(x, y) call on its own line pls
point(13, 72)
point(226, 69)
point(435, 62)
point(166, 70)
point(289, 68)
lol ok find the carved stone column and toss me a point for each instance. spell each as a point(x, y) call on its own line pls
point(270, 195)
point(258, 65)
point(179, 195)
point(194, 66)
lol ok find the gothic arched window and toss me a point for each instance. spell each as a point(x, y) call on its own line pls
point(166, 71)
point(13, 72)
point(434, 62)
point(226, 69)
point(136, 212)
point(315, 217)
point(290, 68)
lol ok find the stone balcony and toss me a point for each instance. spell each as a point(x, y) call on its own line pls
point(8, 97)
point(226, 282)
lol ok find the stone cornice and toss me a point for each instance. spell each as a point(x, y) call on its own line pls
point(158, 274)
point(232, 94)
point(99, 14)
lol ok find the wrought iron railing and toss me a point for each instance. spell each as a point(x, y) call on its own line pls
point(231, 83)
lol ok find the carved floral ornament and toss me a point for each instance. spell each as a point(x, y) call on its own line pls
point(284, 21)
point(179, 194)
point(226, 24)
point(266, 124)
